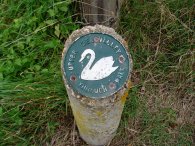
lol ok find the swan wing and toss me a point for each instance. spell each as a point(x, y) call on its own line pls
point(103, 68)
point(103, 63)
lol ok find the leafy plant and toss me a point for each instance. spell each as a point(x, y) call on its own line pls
point(32, 36)
point(32, 95)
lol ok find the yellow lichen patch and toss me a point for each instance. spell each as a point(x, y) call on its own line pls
point(129, 85)
point(99, 113)
point(101, 118)
point(80, 121)
point(124, 97)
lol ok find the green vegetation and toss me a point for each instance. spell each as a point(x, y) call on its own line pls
point(161, 104)
point(34, 109)
point(32, 95)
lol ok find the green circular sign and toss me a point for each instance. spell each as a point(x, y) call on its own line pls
point(96, 65)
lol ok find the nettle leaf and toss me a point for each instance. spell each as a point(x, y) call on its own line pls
point(50, 22)
point(32, 20)
point(28, 39)
point(18, 62)
point(18, 22)
point(10, 56)
point(63, 8)
point(37, 67)
point(20, 45)
point(51, 12)
point(44, 71)
point(64, 30)
point(12, 51)
point(52, 44)
point(25, 60)
point(57, 30)
point(64, 5)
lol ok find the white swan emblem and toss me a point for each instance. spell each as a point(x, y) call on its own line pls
point(101, 69)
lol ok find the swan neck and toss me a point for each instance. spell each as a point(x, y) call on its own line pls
point(92, 58)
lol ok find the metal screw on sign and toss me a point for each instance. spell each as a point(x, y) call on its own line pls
point(96, 68)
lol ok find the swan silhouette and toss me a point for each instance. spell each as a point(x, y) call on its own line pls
point(101, 69)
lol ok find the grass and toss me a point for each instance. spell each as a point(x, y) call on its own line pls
point(34, 109)
point(161, 38)
point(32, 96)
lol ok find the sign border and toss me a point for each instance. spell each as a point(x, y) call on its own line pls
point(95, 29)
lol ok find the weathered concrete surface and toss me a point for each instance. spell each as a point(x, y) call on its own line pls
point(97, 119)
point(97, 125)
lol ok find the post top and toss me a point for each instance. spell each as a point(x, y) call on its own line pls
point(95, 62)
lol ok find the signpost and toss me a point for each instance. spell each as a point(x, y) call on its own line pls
point(104, 12)
point(96, 68)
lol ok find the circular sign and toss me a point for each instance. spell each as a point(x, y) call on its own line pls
point(96, 65)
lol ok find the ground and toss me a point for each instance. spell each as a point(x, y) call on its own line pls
point(34, 108)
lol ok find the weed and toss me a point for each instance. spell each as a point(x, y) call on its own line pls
point(160, 36)
point(32, 95)
point(34, 109)
point(31, 38)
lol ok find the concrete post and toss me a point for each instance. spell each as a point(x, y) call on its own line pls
point(96, 68)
